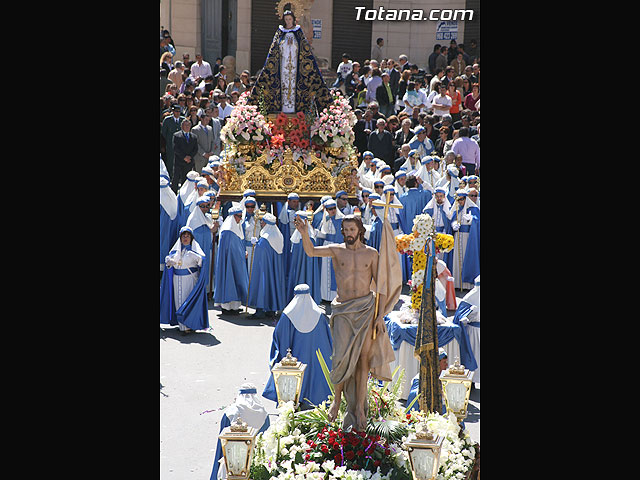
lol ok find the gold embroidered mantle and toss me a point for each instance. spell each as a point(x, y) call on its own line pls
point(311, 89)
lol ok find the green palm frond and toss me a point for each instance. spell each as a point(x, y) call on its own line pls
point(397, 384)
point(325, 370)
point(391, 430)
point(411, 404)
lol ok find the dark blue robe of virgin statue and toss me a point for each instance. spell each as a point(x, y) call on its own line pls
point(311, 89)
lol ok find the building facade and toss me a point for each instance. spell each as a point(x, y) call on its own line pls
point(243, 29)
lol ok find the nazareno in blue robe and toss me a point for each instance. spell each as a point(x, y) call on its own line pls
point(232, 278)
point(285, 229)
point(204, 237)
point(303, 346)
point(471, 261)
point(446, 257)
point(267, 278)
point(168, 232)
point(466, 352)
point(193, 312)
point(304, 269)
point(376, 231)
point(413, 202)
point(334, 238)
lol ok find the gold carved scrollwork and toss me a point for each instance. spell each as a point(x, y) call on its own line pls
point(286, 175)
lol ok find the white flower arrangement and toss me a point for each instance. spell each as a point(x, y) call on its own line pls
point(417, 278)
point(423, 225)
point(283, 452)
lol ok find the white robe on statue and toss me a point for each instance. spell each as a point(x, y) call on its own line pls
point(288, 71)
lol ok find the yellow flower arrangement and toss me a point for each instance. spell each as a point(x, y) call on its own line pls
point(419, 260)
point(444, 242)
point(416, 298)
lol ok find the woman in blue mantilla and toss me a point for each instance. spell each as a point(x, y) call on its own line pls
point(290, 80)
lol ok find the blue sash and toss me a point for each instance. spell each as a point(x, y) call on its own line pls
point(185, 271)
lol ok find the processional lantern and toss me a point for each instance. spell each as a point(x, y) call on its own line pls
point(288, 374)
point(456, 387)
point(238, 442)
point(424, 452)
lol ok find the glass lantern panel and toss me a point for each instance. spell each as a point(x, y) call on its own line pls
point(456, 394)
point(236, 453)
point(423, 463)
point(287, 385)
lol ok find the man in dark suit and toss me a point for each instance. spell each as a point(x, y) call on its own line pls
point(385, 97)
point(394, 77)
point(362, 129)
point(185, 148)
point(381, 142)
point(170, 125)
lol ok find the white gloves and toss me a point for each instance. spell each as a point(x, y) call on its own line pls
point(254, 240)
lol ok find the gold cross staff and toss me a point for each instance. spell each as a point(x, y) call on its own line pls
point(386, 206)
point(257, 217)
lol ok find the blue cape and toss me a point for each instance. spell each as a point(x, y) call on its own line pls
point(286, 245)
point(413, 202)
point(267, 278)
point(334, 238)
point(232, 278)
point(204, 237)
point(303, 346)
point(168, 233)
point(304, 269)
point(376, 233)
point(471, 261)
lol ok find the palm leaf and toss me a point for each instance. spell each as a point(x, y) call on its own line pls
point(411, 404)
point(325, 370)
point(386, 384)
point(391, 430)
point(398, 384)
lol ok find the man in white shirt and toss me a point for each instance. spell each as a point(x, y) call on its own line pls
point(224, 108)
point(200, 69)
point(442, 102)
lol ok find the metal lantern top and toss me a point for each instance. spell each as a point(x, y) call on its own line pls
point(456, 372)
point(238, 430)
point(417, 445)
point(289, 363)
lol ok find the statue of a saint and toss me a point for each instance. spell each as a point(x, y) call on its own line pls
point(290, 80)
point(355, 351)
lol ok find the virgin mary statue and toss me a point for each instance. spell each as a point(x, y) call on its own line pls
point(290, 80)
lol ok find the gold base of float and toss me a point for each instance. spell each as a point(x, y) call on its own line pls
point(285, 175)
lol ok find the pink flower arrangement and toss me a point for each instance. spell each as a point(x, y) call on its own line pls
point(333, 128)
point(246, 125)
